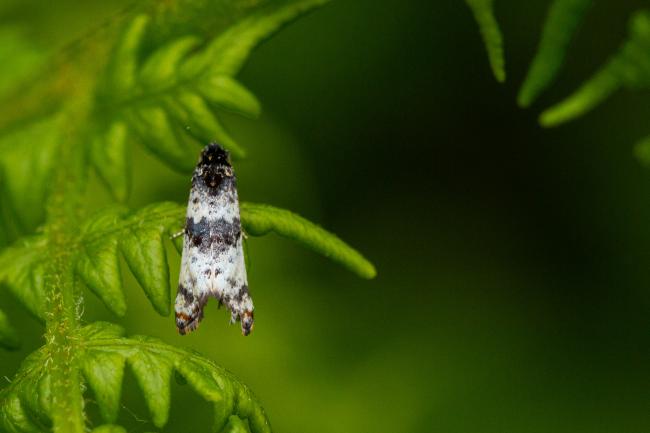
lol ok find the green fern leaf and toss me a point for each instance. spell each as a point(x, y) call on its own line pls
point(159, 70)
point(103, 352)
point(108, 153)
point(629, 67)
point(162, 87)
point(483, 11)
point(139, 236)
point(228, 94)
point(213, 383)
point(27, 158)
point(122, 71)
point(169, 99)
point(230, 50)
point(154, 374)
point(104, 372)
point(235, 425)
point(21, 270)
point(260, 219)
point(563, 19)
point(98, 264)
point(23, 408)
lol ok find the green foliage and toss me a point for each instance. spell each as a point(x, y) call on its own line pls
point(103, 352)
point(563, 18)
point(155, 77)
point(139, 237)
point(21, 270)
point(169, 100)
point(259, 219)
point(27, 159)
point(483, 11)
point(629, 67)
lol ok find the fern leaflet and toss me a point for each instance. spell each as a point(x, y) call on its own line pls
point(561, 23)
point(139, 238)
point(629, 67)
point(102, 352)
point(484, 14)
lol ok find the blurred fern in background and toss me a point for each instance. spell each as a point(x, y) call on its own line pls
point(629, 67)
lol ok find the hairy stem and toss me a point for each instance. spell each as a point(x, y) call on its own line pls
point(67, 402)
point(63, 298)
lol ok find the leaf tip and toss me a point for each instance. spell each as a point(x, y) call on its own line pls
point(524, 98)
point(368, 272)
point(550, 118)
point(499, 74)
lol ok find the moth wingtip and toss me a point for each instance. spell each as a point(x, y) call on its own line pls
point(186, 324)
point(247, 323)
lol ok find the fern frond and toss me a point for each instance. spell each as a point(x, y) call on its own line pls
point(259, 219)
point(139, 237)
point(102, 352)
point(160, 81)
point(629, 67)
point(483, 11)
point(28, 157)
point(564, 16)
point(21, 270)
point(170, 99)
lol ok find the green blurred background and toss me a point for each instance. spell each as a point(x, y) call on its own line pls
point(514, 262)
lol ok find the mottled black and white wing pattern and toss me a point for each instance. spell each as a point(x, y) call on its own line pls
point(213, 259)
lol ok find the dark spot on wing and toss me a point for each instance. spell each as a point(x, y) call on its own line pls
point(216, 235)
point(197, 232)
point(189, 297)
point(243, 292)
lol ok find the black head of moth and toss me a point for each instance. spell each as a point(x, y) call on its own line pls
point(212, 263)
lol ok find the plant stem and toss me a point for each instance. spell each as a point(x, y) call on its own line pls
point(62, 320)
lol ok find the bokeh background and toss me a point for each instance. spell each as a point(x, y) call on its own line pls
point(513, 292)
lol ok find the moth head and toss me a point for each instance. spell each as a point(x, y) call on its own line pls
point(214, 166)
point(214, 155)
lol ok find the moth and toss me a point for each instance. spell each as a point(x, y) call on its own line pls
point(212, 263)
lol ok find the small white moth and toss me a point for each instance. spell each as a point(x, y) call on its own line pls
point(213, 259)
